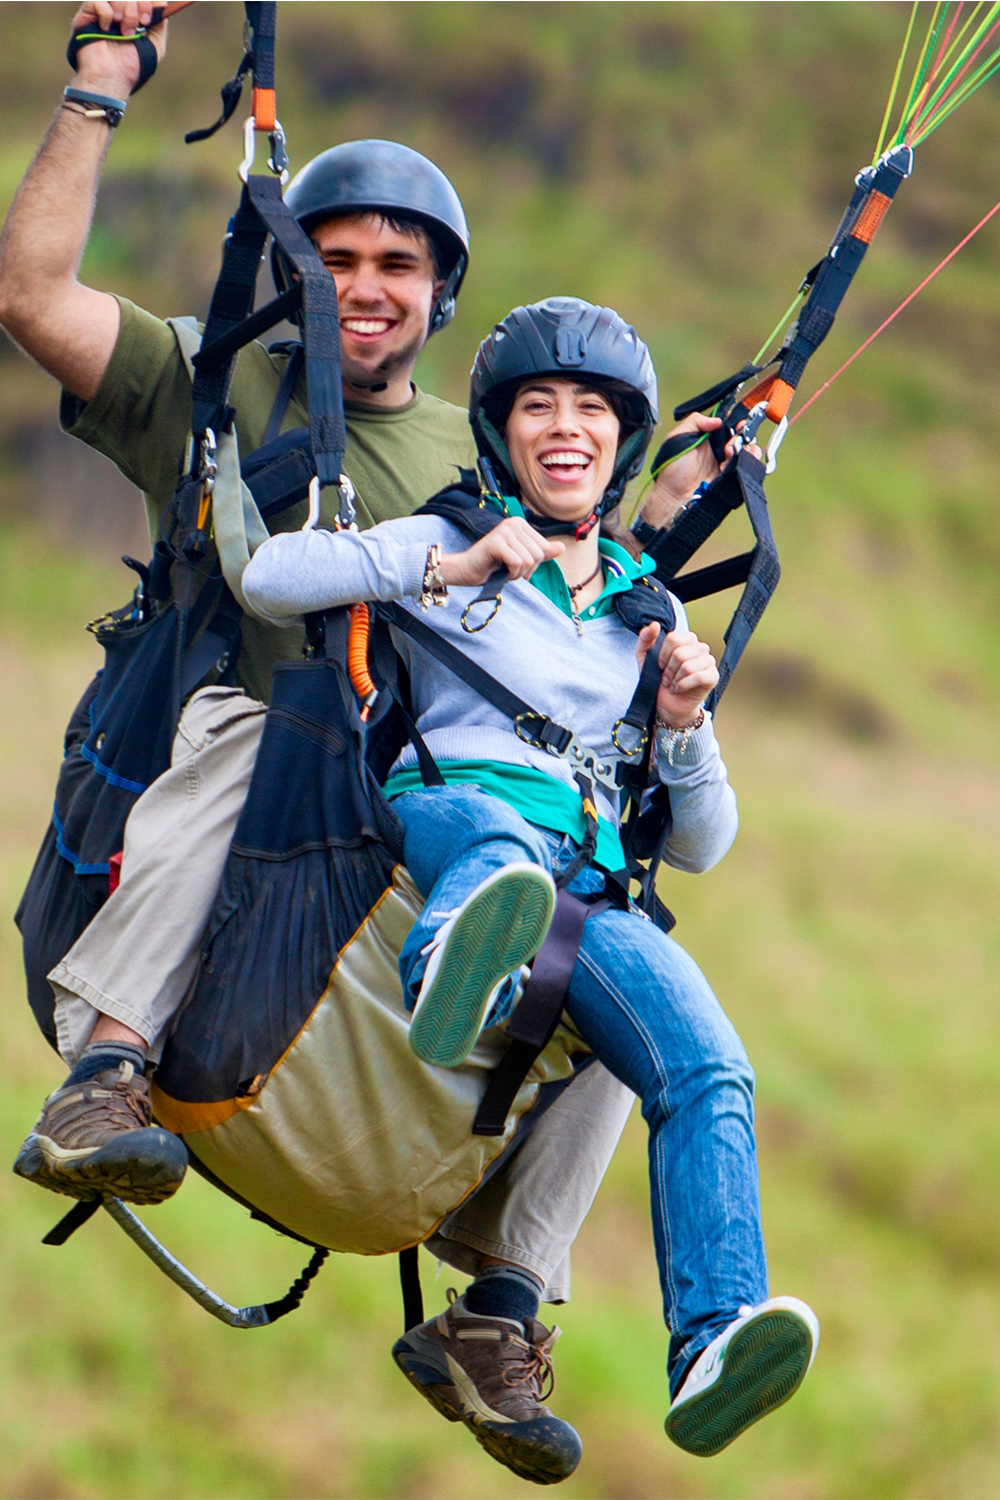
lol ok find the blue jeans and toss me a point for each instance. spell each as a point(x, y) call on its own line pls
point(647, 1012)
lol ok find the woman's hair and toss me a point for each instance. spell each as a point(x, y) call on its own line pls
point(625, 402)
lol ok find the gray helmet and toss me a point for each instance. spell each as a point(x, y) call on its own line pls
point(384, 177)
point(566, 336)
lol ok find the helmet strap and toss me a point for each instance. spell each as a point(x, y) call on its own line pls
point(546, 526)
point(444, 308)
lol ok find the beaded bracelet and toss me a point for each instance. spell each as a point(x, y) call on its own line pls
point(96, 106)
point(433, 590)
point(677, 739)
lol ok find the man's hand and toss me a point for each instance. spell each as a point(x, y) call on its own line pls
point(689, 674)
point(678, 481)
point(69, 328)
point(113, 67)
point(513, 545)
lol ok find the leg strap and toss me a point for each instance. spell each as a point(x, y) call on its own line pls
point(409, 1280)
point(537, 1014)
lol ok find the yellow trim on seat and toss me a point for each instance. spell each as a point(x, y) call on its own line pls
point(186, 1119)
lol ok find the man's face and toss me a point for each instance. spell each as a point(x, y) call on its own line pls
point(386, 288)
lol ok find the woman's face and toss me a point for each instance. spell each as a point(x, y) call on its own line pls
point(563, 439)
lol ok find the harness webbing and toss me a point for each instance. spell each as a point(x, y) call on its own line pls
point(536, 1016)
point(231, 324)
point(543, 730)
point(740, 484)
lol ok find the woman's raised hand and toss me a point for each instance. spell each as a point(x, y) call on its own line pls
point(513, 545)
point(679, 479)
point(689, 674)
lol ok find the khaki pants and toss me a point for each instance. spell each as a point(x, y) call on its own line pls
point(137, 959)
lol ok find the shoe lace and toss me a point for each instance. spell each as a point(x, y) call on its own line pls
point(126, 1104)
point(537, 1371)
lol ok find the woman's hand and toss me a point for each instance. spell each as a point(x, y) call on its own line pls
point(689, 674)
point(678, 481)
point(113, 67)
point(513, 545)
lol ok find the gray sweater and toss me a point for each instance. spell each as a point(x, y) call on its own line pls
point(584, 681)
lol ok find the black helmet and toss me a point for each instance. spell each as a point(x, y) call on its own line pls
point(384, 177)
point(569, 337)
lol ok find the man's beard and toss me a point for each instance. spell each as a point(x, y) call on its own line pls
point(365, 377)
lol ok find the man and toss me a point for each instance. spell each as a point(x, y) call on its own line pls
point(391, 231)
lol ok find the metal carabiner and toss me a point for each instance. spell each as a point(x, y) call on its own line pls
point(777, 438)
point(347, 516)
point(249, 148)
point(312, 519)
point(752, 421)
point(278, 160)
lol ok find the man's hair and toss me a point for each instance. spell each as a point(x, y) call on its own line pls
point(412, 227)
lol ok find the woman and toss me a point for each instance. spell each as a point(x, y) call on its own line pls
point(564, 402)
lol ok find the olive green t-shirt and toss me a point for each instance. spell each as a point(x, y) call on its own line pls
point(140, 418)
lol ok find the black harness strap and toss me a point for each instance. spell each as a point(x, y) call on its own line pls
point(286, 389)
point(409, 1280)
point(763, 574)
point(251, 327)
point(544, 731)
point(321, 328)
point(537, 1014)
point(675, 545)
point(740, 484)
point(78, 1215)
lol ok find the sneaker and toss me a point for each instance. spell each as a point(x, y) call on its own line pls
point(752, 1367)
point(95, 1139)
point(493, 1374)
point(495, 930)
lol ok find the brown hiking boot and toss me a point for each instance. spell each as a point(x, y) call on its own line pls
point(493, 1374)
point(96, 1140)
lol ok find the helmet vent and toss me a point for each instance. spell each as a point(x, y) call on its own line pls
point(571, 346)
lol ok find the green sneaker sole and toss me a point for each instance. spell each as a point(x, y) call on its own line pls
point(500, 929)
point(765, 1363)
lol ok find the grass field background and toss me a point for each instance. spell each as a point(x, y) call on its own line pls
point(685, 163)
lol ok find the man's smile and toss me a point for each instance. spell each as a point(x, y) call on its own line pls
point(367, 328)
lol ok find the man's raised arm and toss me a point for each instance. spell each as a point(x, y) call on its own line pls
point(69, 328)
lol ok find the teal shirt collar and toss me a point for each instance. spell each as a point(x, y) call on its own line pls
point(621, 570)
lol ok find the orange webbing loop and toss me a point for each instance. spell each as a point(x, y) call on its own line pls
point(357, 656)
point(871, 217)
point(780, 400)
point(775, 391)
point(263, 108)
point(760, 392)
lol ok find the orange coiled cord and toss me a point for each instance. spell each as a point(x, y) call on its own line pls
point(357, 657)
